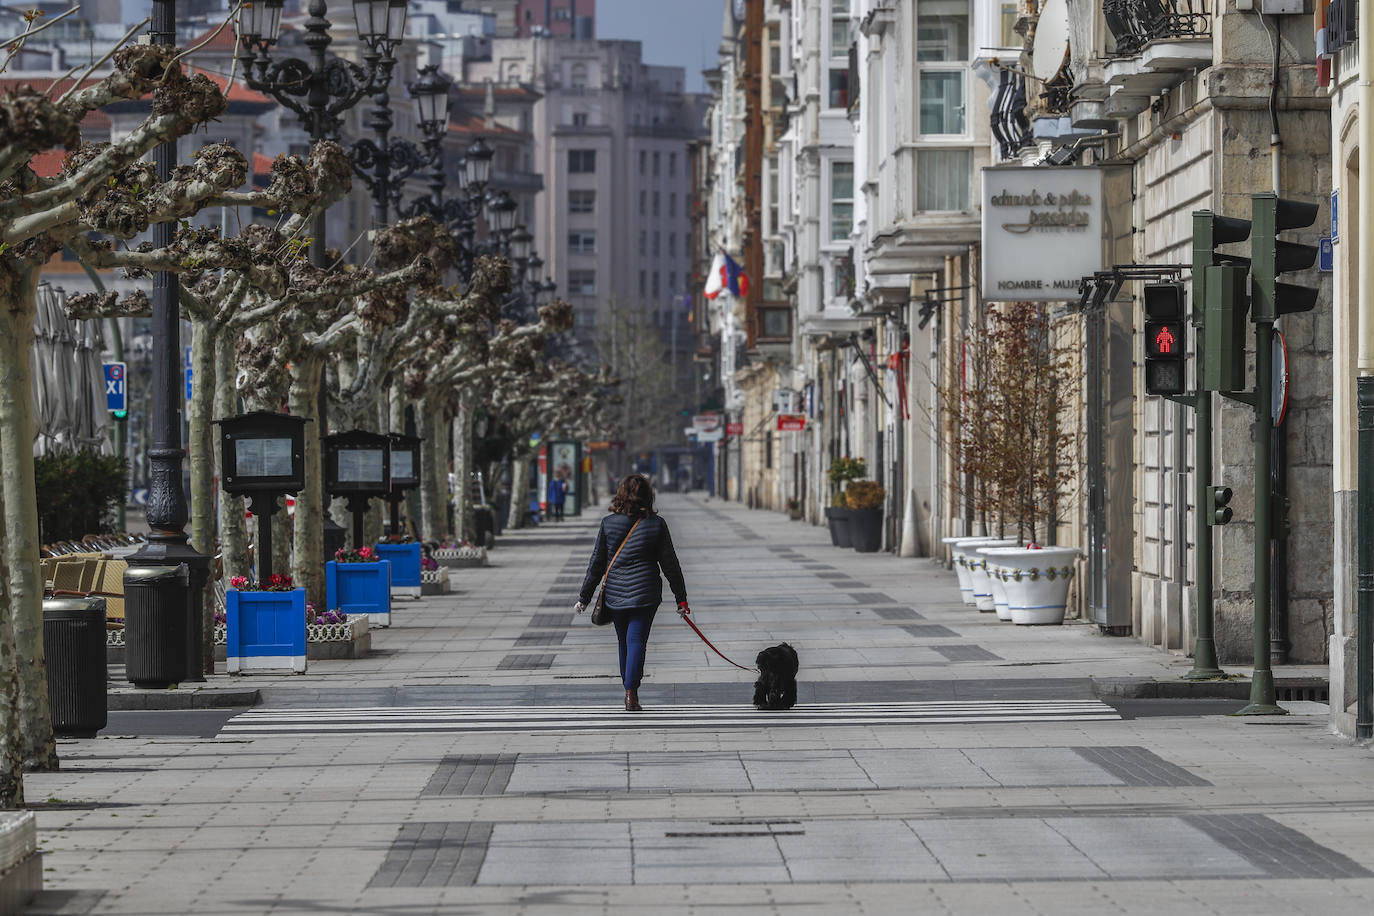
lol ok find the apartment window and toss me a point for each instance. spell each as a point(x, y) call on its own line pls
point(839, 54)
point(672, 283)
point(643, 243)
point(657, 238)
point(643, 161)
point(672, 165)
point(672, 244)
point(842, 200)
point(657, 157)
point(942, 178)
point(655, 203)
point(581, 201)
point(1009, 37)
point(582, 160)
point(655, 287)
point(582, 282)
point(672, 205)
point(942, 40)
point(580, 119)
point(577, 76)
point(583, 242)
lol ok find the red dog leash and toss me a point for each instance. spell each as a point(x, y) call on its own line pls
point(688, 619)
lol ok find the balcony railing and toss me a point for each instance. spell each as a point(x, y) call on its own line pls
point(1136, 23)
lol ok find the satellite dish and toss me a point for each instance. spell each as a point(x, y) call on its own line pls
point(1051, 39)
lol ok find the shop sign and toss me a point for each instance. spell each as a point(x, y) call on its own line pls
point(1042, 232)
point(791, 422)
point(706, 421)
point(734, 429)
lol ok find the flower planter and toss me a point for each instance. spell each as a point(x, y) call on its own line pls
point(434, 582)
point(322, 640)
point(958, 557)
point(838, 520)
point(795, 514)
point(360, 588)
point(866, 529)
point(1036, 582)
point(264, 631)
point(405, 567)
point(978, 572)
point(459, 557)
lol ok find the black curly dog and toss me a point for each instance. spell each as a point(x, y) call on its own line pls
point(776, 687)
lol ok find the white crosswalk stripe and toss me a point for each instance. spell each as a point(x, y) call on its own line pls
point(431, 719)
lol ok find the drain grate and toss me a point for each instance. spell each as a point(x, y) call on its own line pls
point(1303, 693)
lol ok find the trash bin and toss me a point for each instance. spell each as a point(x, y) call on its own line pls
point(157, 611)
point(74, 644)
point(485, 521)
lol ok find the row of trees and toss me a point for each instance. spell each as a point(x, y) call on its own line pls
point(271, 331)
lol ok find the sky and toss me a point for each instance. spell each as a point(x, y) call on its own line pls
point(682, 33)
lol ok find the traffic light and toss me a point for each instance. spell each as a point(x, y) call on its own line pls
point(1165, 336)
point(1271, 256)
point(1219, 512)
point(1219, 300)
point(120, 414)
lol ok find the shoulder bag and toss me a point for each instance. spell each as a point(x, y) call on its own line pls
point(601, 615)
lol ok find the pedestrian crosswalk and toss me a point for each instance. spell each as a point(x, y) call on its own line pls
point(434, 719)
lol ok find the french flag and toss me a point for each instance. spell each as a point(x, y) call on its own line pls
point(726, 274)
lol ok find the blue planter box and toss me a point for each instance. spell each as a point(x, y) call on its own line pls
point(266, 630)
point(360, 588)
point(405, 567)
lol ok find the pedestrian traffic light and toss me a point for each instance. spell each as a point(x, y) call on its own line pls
point(1219, 512)
point(1165, 334)
point(1271, 256)
point(120, 414)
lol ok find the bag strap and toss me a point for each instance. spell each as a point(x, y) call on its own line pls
point(620, 548)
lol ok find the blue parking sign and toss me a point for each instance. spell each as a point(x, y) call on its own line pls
point(116, 396)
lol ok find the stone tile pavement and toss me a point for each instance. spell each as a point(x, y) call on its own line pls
point(899, 784)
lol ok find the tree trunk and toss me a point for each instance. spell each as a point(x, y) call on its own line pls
point(233, 536)
point(519, 490)
point(19, 551)
point(11, 761)
point(463, 518)
point(308, 536)
point(202, 447)
point(431, 493)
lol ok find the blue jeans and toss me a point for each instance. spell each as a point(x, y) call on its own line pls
point(632, 628)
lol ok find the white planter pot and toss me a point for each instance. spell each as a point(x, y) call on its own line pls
point(976, 562)
point(958, 550)
point(1036, 582)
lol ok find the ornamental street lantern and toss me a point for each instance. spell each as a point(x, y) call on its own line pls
point(405, 473)
point(357, 466)
point(262, 457)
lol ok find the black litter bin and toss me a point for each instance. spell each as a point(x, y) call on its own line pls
point(74, 644)
point(485, 521)
point(157, 611)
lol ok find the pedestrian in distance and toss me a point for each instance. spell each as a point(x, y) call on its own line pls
point(635, 544)
point(558, 496)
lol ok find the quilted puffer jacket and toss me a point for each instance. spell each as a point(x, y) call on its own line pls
point(634, 581)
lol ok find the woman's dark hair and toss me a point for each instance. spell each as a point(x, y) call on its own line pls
point(635, 497)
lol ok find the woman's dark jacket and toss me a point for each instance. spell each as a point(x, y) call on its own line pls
point(634, 581)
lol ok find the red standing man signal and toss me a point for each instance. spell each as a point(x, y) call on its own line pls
point(1164, 341)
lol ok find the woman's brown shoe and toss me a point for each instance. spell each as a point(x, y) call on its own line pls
point(632, 701)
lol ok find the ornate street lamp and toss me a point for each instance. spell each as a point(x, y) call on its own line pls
point(384, 165)
point(502, 208)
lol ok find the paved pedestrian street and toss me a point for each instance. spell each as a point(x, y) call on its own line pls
point(938, 761)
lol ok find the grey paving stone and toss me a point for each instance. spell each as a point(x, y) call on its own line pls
point(434, 854)
point(1003, 849)
point(676, 852)
point(1136, 766)
point(847, 851)
point(472, 774)
point(537, 638)
point(688, 772)
point(1040, 766)
point(1147, 847)
point(558, 853)
point(555, 773)
point(871, 598)
point(1280, 851)
point(524, 662)
point(967, 653)
point(896, 613)
point(789, 770)
point(928, 631)
point(551, 621)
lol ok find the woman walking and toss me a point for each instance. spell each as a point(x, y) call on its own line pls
point(635, 544)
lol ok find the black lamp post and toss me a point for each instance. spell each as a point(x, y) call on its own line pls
point(385, 164)
point(320, 90)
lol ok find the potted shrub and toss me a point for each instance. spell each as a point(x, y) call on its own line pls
point(264, 625)
point(842, 470)
point(328, 634)
point(403, 551)
point(794, 509)
point(359, 582)
point(864, 498)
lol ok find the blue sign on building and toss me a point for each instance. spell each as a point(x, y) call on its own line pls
point(116, 395)
point(1325, 256)
point(188, 373)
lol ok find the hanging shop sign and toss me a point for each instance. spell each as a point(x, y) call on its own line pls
point(1042, 231)
point(791, 423)
point(735, 428)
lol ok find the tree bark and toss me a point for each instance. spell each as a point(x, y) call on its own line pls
point(307, 567)
point(11, 761)
point(20, 545)
point(463, 516)
point(233, 536)
point(202, 446)
point(431, 493)
point(519, 490)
